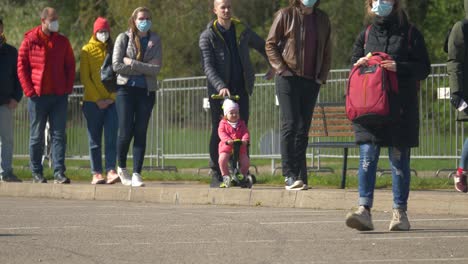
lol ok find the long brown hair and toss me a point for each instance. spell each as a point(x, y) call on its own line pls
point(134, 29)
point(397, 8)
point(297, 3)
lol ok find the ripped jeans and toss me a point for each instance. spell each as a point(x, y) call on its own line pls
point(401, 175)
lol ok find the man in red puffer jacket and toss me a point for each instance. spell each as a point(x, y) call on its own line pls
point(46, 70)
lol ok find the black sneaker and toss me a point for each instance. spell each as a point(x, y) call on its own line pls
point(60, 178)
point(38, 178)
point(9, 177)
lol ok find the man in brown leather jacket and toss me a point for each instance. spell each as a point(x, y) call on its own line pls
point(299, 49)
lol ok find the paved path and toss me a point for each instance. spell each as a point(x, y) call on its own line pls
point(445, 202)
point(34, 230)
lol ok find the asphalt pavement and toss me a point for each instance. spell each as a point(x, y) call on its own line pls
point(38, 230)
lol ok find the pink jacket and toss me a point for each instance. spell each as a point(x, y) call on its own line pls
point(227, 132)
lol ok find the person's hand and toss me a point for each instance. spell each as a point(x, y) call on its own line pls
point(286, 73)
point(12, 104)
point(109, 101)
point(127, 61)
point(389, 65)
point(362, 61)
point(245, 142)
point(456, 99)
point(102, 104)
point(270, 74)
point(224, 92)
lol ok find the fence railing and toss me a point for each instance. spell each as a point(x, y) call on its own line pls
point(180, 125)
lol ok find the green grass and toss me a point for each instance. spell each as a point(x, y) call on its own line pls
point(78, 170)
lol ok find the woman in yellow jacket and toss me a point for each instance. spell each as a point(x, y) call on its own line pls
point(98, 104)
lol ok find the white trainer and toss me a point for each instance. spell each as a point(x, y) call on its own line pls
point(137, 181)
point(124, 176)
point(399, 221)
point(361, 219)
point(296, 185)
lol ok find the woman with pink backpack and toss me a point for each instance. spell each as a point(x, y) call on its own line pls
point(390, 32)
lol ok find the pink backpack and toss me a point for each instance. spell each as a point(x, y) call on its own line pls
point(369, 90)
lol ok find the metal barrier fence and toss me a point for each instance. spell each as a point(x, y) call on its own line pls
point(180, 125)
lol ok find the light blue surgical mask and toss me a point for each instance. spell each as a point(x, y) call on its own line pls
point(382, 8)
point(309, 3)
point(144, 25)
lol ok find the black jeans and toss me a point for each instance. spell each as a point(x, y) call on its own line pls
point(134, 107)
point(297, 97)
point(216, 115)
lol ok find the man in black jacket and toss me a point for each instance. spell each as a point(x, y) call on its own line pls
point(10, 95)
point(224, 47)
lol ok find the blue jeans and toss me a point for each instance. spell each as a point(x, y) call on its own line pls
point(297, 97)
point(400, 164)
point(464, 156)
point(97, 120)
point(134, 107)
point(6, 139)
point(54, 109)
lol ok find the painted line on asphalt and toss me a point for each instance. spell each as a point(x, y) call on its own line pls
point(381, 220)
point(191, 242)
point(20, 228)
point(284, 212)
point(407, 260)
point(407, 237)
point(128, 226)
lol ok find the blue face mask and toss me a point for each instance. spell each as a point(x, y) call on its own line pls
point(144, 25)
point(382, 8)
point(309, 3)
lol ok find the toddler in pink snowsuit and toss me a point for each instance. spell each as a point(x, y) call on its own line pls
point(231, 128)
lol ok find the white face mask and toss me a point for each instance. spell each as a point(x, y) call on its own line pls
point(53, 26)
point(102, 36)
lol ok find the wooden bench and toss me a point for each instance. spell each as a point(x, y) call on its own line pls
point(329, 122)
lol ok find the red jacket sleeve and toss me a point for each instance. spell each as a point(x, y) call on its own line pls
point(24, 69)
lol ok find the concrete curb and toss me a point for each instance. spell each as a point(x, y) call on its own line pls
point(427, 202)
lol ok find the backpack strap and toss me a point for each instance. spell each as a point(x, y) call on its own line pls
point(366, 36)
point(410, 33)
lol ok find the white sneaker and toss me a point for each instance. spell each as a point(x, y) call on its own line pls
point(399, 221)
point(124, 176)
point(136, 180)
point(361, 219)
point(226, 182)
point(297, 185)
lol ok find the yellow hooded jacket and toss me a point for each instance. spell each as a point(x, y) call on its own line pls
point(92, 57)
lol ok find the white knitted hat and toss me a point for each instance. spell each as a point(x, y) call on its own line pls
point(229, 105)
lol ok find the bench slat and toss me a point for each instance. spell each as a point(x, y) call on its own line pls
point(331, 134)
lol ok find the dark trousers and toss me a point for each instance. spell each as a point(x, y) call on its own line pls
point(297, 97)
point(134, 107)
point(52, 108)
point(216, 115)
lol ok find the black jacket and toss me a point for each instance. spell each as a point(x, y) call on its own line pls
point(457, 64)
point(215, 56)
point(10, 87)
point(410, 54)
